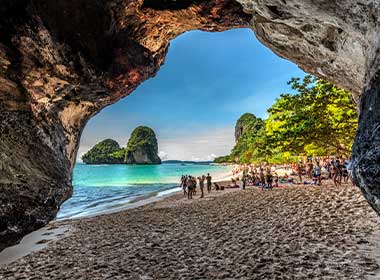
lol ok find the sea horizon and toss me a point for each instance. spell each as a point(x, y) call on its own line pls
point(104, 188)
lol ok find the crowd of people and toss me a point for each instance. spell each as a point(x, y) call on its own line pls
point(307, 171)
point(189, 185)
point(336, 169)
point(262, 175)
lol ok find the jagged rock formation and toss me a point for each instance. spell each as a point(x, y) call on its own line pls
point(63, 61)
point(105, 152)
point(247, 123)
point(142, 147)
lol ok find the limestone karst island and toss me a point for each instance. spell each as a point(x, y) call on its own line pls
point(142, 148)
point(178, 139)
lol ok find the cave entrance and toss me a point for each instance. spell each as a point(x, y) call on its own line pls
point(207, 82)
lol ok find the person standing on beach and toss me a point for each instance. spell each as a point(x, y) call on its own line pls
point(183, 184)
point(318, 174)
point(244, 179)
point(344, 171)
point(299, 171)
point(310, 168)
point(328, 168)
point(269, 180)
point(262, 177)
point(202, 184)
point(208, 179)
point(334, 173)
point(189, 185)
point(194, 180)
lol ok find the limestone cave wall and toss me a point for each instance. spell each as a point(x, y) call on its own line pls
point(62, 61)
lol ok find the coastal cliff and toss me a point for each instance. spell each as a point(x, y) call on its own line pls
point(63, 61)
point(247, 127)
point(142, 147)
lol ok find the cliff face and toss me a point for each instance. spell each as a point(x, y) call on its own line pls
point(247, 123)
point(62, 61)
point(142, 147)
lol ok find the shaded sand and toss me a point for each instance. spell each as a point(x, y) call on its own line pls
point(33, 242)
point(290, 233)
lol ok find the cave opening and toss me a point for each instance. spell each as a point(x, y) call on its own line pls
point(207, 82)
point(57, 73)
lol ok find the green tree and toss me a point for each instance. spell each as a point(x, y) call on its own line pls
point(223, 159)
point(143, 141)
point(319, 119)
point(106, 151)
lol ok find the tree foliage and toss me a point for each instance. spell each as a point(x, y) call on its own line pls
point(142, 137)
point(319, 119)
point(247, 130)
point(106, 151)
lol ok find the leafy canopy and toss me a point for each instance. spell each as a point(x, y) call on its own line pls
point(319, 119)
point(142, 137)
point(106, 151)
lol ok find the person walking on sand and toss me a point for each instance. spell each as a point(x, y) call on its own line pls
point(202, 184)
point(208, 180)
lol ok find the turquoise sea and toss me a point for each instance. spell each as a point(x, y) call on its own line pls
point(106, 188)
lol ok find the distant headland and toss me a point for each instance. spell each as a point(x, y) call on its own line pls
point(173, 161)
point(142, 148)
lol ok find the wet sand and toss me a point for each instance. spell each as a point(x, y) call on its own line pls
point(298, 232)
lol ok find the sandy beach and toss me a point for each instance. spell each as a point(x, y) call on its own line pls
point(297, 232)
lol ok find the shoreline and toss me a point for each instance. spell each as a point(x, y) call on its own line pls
point(136, 201)
point(40, 239)
point(333, 225)
point(60, 228)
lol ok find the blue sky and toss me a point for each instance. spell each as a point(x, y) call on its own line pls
point(208, 81)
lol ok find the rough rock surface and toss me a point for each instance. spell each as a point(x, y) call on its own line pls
point(246, 123)
point(62, 61)
point(142, 147)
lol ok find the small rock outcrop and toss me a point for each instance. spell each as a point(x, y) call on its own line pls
point(106, 152)
point(142, 147)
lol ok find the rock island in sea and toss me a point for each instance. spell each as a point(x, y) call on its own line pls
point(142, 148)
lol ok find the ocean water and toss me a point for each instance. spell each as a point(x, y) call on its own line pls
point(106, 188)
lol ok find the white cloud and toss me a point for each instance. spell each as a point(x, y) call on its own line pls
point(195, 145)
point(203, 146)
point(163, 155)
